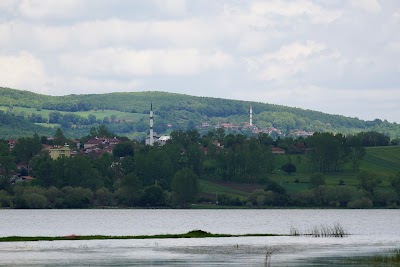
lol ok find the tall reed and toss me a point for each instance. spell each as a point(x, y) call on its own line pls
point(336, 230)
point(268, 255)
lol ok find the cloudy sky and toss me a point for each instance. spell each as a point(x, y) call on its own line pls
point(336, 56)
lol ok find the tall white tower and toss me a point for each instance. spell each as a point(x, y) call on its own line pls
point(151, 140)
point(251, 115)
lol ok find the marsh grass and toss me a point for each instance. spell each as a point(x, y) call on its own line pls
point(336, 230)
point(191, 234)
point(391, 259)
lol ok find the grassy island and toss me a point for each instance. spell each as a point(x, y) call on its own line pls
point(191, 234)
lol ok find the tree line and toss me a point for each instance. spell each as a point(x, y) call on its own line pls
point(166, 176)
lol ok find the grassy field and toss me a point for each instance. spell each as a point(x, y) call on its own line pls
point(99, 113)
point(213, 188)
point(384, 161)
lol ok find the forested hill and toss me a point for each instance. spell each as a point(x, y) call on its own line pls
point(184, 111)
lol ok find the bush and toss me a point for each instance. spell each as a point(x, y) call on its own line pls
point(362, 203)
point(228, 200)
point(103, 197)
point(260, 197)
point(5, 199)
point(32, 201)
point(316, 180)
point(77, 197)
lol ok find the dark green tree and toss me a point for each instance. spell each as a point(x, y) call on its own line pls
point(59, 138)
point(123, 149)
point(153, 196)
point(289, 168)
point(396, 183)
point(368, 182)
point(185, 188)
point(27, 147)
point(77, 197)
point(128, 193)
point(42, 168)
point(357, 151)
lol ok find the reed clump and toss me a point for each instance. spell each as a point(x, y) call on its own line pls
point(336, 230)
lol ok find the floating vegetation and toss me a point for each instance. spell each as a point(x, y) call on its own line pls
point(320, 231)
point(191, 234)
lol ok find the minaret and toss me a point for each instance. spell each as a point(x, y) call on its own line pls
point(251, 115)
point(151, 140)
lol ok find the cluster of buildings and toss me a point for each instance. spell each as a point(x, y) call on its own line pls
point(255, 129)
point(95, 146)
point(101, 145)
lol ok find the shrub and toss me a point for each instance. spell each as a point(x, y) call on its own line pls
point(361, 203)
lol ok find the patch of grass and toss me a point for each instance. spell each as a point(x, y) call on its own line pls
point(49, 125)
point(191, 234)
point(127, 116)
point(210, 187)
point(383, 160)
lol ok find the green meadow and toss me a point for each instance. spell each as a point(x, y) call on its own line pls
point(100, 114)
point(383, 161)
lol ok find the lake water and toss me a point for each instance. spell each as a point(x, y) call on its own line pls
point(371, 232)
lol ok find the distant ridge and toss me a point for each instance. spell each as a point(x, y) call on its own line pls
point(187, 111)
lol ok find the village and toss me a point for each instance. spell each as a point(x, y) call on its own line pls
point(96, 146)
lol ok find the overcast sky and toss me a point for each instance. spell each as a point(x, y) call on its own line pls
point(336, 56)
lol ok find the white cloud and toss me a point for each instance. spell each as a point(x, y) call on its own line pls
point(100, 33)
point(172, 6)
point(7, 5)
point(125, 62)
point(316, 13)
point(75, 85)
point(288, 60)
point(371, 6)
point(22, 70)
point(39, 9)
point(393, 46)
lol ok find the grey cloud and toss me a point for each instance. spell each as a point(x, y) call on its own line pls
point(318, 51)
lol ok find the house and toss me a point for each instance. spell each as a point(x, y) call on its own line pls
point(57, 152)
point(94, 142)
point(163, 140)
point(22, 178)
point(229, 126)
point(277, 150)
point(204, 150)
point(302, 133)
point(11, 143)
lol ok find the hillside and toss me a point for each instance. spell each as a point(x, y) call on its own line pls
point(383, 161)
point(184, 111)
point(12, 126)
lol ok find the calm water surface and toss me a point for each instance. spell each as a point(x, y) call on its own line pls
point(372, 231)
